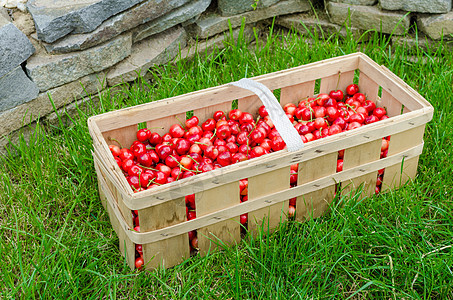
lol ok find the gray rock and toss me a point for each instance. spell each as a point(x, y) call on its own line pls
point(155, 50)
point(116, 25)
point(15, 47)
point(304, 23)
point(177, 16)
point(49, 71)
point(426, 6)
point(26, 113)
point(437, 25)
point(368, 17)
point(16, 88)
point(234, 7)
point(56, 18)
point(212, 24)
point(357, 2)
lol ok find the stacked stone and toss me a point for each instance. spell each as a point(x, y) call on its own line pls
point(434, 18)
point(15, 48)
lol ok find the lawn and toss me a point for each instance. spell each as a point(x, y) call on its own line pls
point(57, 242)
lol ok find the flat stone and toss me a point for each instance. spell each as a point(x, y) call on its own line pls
point(234, 7)
point(16, 88)
point(155, 50)
point(116, 25)
point(212, 24)
point(320, 25)
point(425, 6)
point(26, 113)
point(49, 71)
point(368, 17)
point(180, 15)
point(205, 47)
point(14, 138)
point(15, 47)
point(357, 2)
point(437, 25)
point(56, 18)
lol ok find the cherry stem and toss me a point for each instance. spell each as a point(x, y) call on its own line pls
point(256, 123)
point(215, 132)
point(148, 168)
point(349, 106)
point(199, 143)
point(115, 140)
point(184, 168)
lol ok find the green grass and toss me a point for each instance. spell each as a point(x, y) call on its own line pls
point(57, 242)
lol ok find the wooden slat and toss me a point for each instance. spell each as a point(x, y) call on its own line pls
point(392, 83)
point(205, 113)
point(392, 106)
point(228, 232)
point(406, 139)
point(173, 250)
point(399, 174)
point(264, 184)
point(357, 156)
point(296, 93)
point(393, 175)
point(162, 125)
point(368, 86)
point(250, 104)
point(278, 159)
point(270, 199)
point(364, 184)
point(315, 203)
point(162, 215)
point(346, 79)
point(126, 136)
point(166, 253)
point(220, 94)
point(127, 247)
point(329, 83)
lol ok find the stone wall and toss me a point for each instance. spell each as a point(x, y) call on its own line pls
point(66, 50)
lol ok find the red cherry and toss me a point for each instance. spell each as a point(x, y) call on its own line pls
point(176, 130)
point(246, 118)
point(334, 129)
point(359, 97)
point(337, 95)
point(116, 151)
point(235, 114)
point(379, 112)
point(219, 115)
point(339, 165)
point(139, 262)
point(262, 111)
point(192, 122)
point(143, 134)
point(352, 89)
point(224, 158)
point(208, 125)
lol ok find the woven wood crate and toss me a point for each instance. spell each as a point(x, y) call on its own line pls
point(162, 211)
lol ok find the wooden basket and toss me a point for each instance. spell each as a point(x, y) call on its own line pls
point(162, 211)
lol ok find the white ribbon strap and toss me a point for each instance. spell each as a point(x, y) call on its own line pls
point(281, 122)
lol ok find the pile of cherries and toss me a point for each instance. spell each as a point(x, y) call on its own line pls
point(190, 148)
